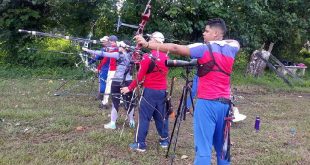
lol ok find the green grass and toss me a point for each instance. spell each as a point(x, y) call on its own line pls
point(43, 73)
point(37, 127)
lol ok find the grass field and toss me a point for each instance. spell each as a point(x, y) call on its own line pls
point(39, 128)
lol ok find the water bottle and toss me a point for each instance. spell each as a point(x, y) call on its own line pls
point(257, 123)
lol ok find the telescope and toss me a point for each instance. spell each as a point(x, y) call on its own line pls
point(180, 63)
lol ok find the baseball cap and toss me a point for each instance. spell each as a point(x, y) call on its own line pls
point(158, 36)
point(104, 39)
point(113, 38)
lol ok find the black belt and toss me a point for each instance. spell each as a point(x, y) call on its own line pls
point(222, 100)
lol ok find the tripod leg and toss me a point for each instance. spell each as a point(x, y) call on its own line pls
point(181, 113)
point(177, 120)
point(68, 89)
point(67, 86)
point(92, 84)
point(192, 102)
point(56, 93)
point(187, 90)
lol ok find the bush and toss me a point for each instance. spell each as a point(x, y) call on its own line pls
point(305, 57)
point(241, 61)
point(43, 52)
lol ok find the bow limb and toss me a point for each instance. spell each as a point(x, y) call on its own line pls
point(145, 17)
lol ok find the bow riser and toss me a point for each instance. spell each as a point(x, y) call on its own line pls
point(145, 18)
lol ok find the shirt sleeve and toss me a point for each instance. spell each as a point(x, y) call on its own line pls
point(144, 66)
point(100, 57)
point(233, 44)
point(115, 55)
point(103, 54)
point(197, 50)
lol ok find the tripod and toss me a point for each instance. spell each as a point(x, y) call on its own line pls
point(181, 113)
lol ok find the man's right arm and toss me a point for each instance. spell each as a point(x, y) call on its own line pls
point(181, 50)
point(102, 53)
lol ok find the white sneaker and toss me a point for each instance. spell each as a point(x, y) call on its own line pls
point(110, 125)
point(132, 124)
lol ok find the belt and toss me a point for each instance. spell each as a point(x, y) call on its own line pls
point(222, 100)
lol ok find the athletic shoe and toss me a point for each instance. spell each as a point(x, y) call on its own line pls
point(110, 125)
point(132, 124)
point(164, 143)
point(187, 111)
point(137, 147)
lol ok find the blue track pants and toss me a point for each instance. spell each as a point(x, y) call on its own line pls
point(209, 127)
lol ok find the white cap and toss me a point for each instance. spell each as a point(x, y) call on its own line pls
point(158, 36)
point(237, 115)
point(104, 39)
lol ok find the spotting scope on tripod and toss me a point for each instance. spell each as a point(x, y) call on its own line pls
point(181, 111)
point(181, 63)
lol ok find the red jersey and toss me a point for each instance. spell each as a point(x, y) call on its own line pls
point(157, 79)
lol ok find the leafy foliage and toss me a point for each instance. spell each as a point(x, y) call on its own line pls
point(252, 23)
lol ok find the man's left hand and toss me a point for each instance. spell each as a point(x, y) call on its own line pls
point(125, 90)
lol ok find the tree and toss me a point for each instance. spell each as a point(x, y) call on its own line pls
point(284, 22)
